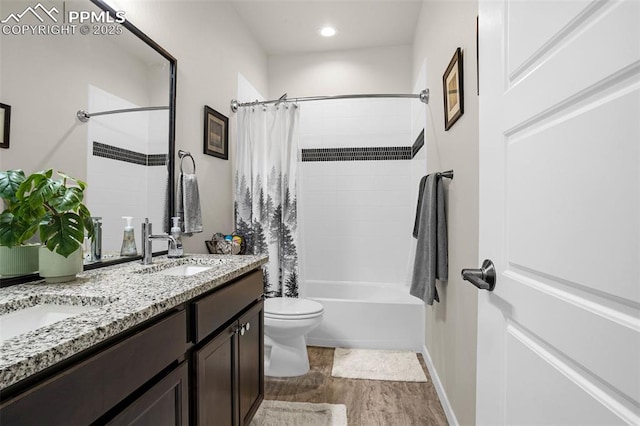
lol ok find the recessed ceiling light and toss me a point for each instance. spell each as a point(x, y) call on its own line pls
point(328, 32)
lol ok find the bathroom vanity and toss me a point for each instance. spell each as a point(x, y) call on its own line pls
point(178, 342)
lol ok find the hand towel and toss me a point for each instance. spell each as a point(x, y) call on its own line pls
point(188, 198)
point(431, 231)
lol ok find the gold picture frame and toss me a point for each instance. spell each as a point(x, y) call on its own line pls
point(453, 90)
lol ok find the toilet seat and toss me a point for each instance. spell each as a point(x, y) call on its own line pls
point(288, 308)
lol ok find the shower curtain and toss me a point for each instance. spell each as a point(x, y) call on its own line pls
point(265, 207)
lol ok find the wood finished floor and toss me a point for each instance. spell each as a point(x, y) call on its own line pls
point(369, 402)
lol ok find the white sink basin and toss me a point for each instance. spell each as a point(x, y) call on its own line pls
point(184, 270)
point(34, 317)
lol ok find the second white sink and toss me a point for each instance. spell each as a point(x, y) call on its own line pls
point(184, 270)
point(34, 317)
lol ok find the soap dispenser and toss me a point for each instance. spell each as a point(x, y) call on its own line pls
point(128, 239)
point(176, 233)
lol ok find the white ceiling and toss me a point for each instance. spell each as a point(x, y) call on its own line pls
point(291, 26)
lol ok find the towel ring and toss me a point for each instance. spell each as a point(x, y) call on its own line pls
point(182, 155)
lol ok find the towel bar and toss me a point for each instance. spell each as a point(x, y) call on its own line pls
point(448, 174)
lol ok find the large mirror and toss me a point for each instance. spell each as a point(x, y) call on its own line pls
point(94, 66)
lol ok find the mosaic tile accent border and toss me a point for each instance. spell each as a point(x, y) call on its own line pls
point(128, 156)
point(357, 154)
point(364, 153)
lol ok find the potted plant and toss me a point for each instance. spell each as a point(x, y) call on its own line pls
point(17, 256)
point(54, 208)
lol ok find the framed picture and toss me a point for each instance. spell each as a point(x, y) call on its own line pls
point(5, 122)
point(216, 133)
point(453, 90)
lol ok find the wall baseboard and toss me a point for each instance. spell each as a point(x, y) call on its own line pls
point(446, 405)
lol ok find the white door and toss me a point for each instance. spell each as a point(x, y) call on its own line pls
point(559, 337)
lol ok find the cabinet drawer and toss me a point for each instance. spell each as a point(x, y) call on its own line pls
point(89, 389)
point(214, 310)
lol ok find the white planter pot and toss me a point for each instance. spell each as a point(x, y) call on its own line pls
point(19, 260)
point(55, 268)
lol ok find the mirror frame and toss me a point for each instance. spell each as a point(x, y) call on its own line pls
point(173, 72)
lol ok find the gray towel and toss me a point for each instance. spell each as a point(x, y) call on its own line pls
point(431, 231)
point(188, 198)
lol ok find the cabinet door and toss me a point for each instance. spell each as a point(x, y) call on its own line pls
point(166, 403)
point(215, 377)
point(251, 362)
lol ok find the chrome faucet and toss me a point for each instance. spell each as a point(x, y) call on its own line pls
point(96, 243)
point(147, 242)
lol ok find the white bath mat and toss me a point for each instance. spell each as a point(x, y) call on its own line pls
point(284, 413)
point(400, 366)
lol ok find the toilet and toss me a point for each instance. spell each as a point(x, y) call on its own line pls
point(286, 322)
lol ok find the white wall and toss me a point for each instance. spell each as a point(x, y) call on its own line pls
point(375, 70)
point(451, 326)
point(212, 46)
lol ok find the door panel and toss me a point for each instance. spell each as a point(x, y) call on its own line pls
point(584, 65)
point(166, 403)
point(215, 380)
point(559, 338)
point(580, 329)
point(528, 37)
point(561, 178)
point(531, 368)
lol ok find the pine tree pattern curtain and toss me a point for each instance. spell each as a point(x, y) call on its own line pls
point(265, 207)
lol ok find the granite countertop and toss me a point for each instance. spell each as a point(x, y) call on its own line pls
point(123, 296)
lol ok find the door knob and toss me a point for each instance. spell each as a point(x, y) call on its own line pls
point(483, 278)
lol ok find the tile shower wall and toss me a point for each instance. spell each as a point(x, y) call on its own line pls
point(356, 215)
point(123, 188)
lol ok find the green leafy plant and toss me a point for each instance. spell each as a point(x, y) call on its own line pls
point(39, 203)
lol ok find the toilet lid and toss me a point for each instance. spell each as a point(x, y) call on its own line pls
point(290, 307)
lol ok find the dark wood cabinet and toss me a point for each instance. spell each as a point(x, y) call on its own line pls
point(251, 363)
point(229, 364)
point(165, 404)
point(84, 392)
point(200, 364)
point(215, 379)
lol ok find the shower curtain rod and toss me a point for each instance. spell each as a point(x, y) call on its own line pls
point(85, 116)
point(423, 96)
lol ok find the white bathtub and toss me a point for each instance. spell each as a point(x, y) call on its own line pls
point(370, 316)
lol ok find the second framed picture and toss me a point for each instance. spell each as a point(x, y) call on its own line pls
point(216, 133)
point(5, 123)
point(453, 90)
